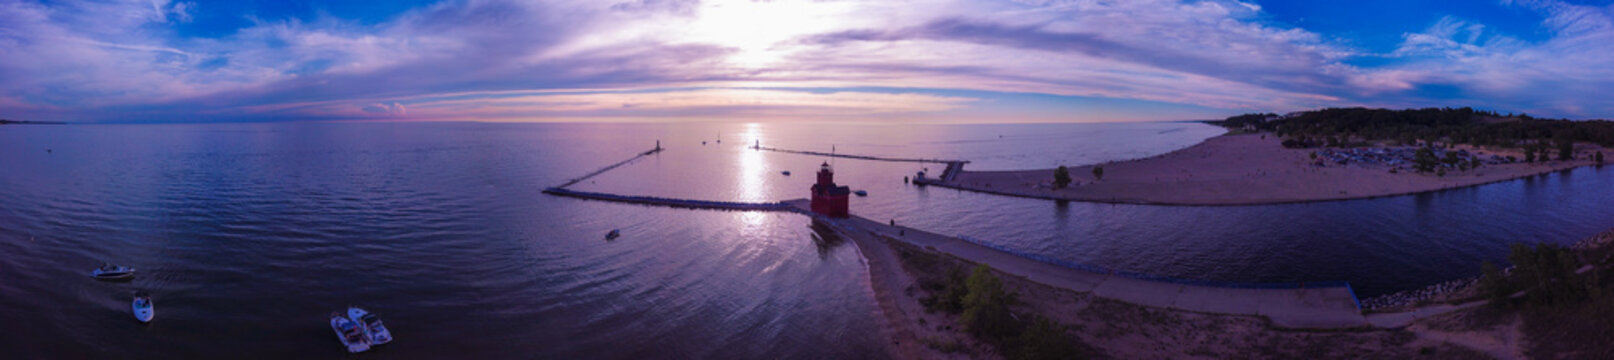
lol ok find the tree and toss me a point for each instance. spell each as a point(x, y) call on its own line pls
point(1566, 146)
point(1061, 177)
point(1098, 173)
point(1493, 284)
point(1044, 339)
point(1598, 157)
point(986, 308)
point(1424, 160)
point(1548, 272)
point(1529, 154)
point(1314, 155)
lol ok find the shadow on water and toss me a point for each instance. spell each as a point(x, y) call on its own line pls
point(825, 238)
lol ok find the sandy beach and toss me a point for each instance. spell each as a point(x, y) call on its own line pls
point(1245, 169)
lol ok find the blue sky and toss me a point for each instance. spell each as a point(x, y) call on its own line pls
point(902, 61)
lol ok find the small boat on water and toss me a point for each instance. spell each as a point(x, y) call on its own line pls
point(861, 193)
point(615, 233)
point(350, 333)
point(144, 310)
point(377, 332)
point(112, 272)
point(786, 172)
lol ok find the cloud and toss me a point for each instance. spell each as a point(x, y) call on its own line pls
point(393, 109)
point(1562, 75)
point(127, 61)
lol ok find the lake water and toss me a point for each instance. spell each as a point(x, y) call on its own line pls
point(247, 235)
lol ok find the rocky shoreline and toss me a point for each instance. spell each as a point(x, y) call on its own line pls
point(1420, 295)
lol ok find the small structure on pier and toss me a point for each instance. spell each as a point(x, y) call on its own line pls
point(829, 199)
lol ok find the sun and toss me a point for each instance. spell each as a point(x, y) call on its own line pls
point(760, 31)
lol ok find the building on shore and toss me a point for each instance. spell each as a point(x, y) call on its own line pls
point(829, 199)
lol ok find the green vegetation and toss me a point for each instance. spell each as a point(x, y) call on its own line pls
point(1546, 272)
point(1061, 177)
point(1098, 172)
point(1459, 125)
point(1598, 157)
point(1566, 148)
point(984, 308)
point(1529, 154)
point(1424, 160)
point(1565, 306)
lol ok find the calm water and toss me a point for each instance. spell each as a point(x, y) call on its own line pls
point(247, 235)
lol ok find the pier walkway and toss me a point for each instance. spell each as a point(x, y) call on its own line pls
point(860, 157)
point(677, 203)
point(1302, 306)
point(611, 167)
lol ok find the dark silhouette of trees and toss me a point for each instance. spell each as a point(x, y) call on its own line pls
point(1424, 160)
point(986, 306)
point(1453, 125)
point(1061, 177)
point(1566, 146)
point(1098, 172)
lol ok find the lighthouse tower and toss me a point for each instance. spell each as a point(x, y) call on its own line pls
point(829, 199)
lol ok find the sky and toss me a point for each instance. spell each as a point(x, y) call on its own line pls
point(952, 61)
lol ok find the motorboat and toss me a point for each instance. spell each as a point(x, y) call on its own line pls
point(372, 325)
point(786, 172)
point(615, 233)
point(144, 310)
point(112, 272)
point(861, 193)
point(350, 333)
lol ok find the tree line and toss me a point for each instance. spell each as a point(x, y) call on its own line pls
point(1454, 125)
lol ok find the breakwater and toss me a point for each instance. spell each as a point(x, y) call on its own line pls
point(1322, 305)
point(579, 179)
point(861, 157)
point(671, 202)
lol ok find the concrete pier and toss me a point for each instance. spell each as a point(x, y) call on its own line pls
point(860, 157)
point(677, 203)
point(1301, 306)
point(612, 166)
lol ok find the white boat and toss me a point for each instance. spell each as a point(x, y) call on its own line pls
point(350, 333)
point(112, 272)
point(372, 325)
point(144, 310)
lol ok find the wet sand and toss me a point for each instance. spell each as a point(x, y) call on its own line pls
point(1244, 169)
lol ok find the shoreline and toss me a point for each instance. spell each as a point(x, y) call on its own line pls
point(1453, 323)
point(1242, 170)
point(1113, 328)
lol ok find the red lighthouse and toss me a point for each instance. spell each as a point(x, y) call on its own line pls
point(829, 199)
